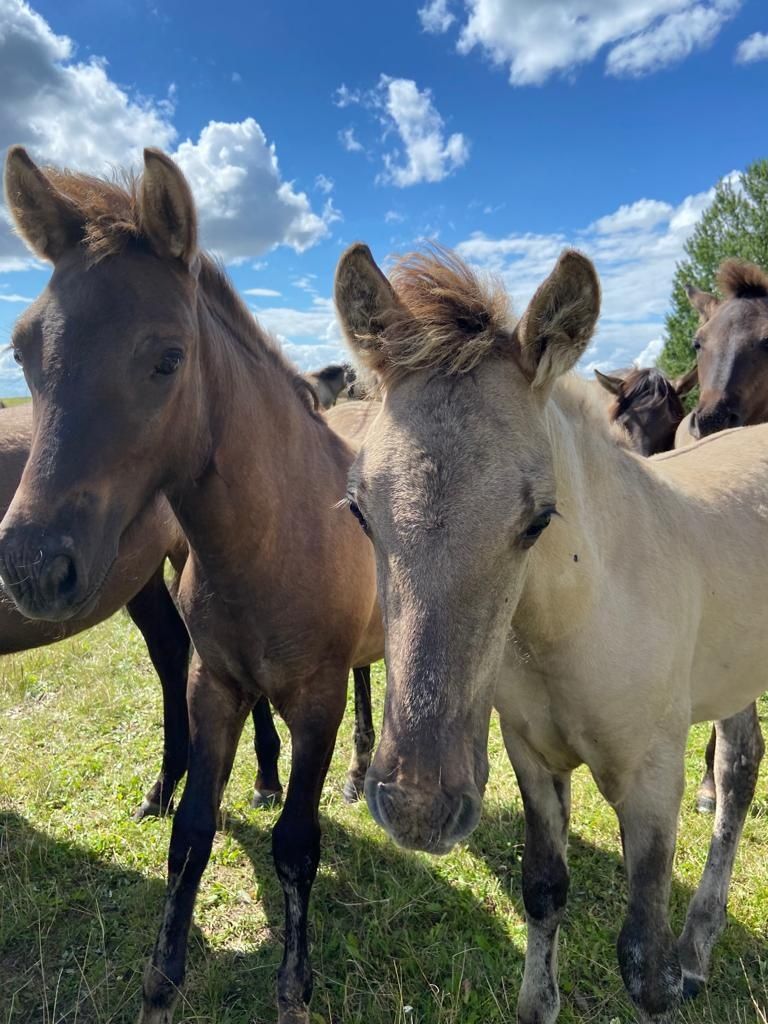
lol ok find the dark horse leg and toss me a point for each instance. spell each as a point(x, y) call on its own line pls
point(296, 836)
point(705, 794)
point(739, 750)
point(364, 737)
point(217, 714)
point(648, 814)
point(167, 640)
point(267, 790)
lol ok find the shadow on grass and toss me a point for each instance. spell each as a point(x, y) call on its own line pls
point(389, 929)
point(589, 976)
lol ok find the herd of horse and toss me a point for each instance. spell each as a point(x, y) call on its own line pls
point(483, 521)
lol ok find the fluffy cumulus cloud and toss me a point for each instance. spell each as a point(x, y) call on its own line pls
point(70, 112)
point(406, 115)
point(245, 207)
point(754, 47)
point(635, 250)
point(427, 155)
point(435, 16)
point(537, 40)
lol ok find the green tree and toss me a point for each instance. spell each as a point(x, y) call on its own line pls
point(734, 224)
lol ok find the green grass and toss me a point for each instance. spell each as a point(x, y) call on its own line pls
point(16, 400)
point(397, 938)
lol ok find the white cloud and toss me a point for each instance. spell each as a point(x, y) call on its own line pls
point(349, 142)
point(324, 184)
point(293, 326)
point(306, 283)
point(267, 293)
point(635, 249)
point(393, 217)
point(344, 97)
point(537, 40)
point(753, 48)
point(650, 353)
point(435, 16)
point(245, 207)
point(13, 297)
point(236, 77)
point(671, 40)
point(72, 114)
point(429, 156)
point(645, 213)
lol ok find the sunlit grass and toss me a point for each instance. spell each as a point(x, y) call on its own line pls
point(397, 938)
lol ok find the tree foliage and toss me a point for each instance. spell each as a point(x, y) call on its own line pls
point(734, 224)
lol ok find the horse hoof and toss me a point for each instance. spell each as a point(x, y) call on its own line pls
point(263, 798)
point(351, 792)
point(150, 809)
point(705, 804)
point(692, 986)
point(293, 1015)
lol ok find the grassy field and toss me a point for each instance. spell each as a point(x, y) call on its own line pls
point(397, 938)
point(16, 401)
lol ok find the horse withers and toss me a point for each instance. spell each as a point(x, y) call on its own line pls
point(527, 559)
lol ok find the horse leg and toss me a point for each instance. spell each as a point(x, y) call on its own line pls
point(547, 807)
point(217, 713)
point(364, 736)
point(267, 790)
point(168, 644)
point(296, 837)
point(706, 793)
point(739, 750)
point(647, 951)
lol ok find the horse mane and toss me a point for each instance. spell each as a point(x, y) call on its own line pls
point(109, 209)
point(111, 215)
point(459, 317)
point(646, 382)
point(738, 279)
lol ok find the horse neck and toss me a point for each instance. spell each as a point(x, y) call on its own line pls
point(273, 472)
point(612, 508)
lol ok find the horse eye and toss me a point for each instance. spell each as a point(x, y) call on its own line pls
point(696, 345)
point(17, 356)
point(170, 362)
point(355, 510)
point(536, 527)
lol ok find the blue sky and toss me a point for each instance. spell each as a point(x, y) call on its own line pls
point(508, 130)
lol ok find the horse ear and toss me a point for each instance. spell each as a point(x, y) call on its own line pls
point(687, 382)
point(167, 208)
point(704, 303)
point(366, 303)
point(48, 222)
point(560, 319)
point(610, 382)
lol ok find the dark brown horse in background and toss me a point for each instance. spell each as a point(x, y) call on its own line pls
point(647, 405)
point(172, 389)
point(731, 350)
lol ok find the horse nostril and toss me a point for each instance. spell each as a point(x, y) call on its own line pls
point(467, 816)
point(58, 577)
point(733, 419)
